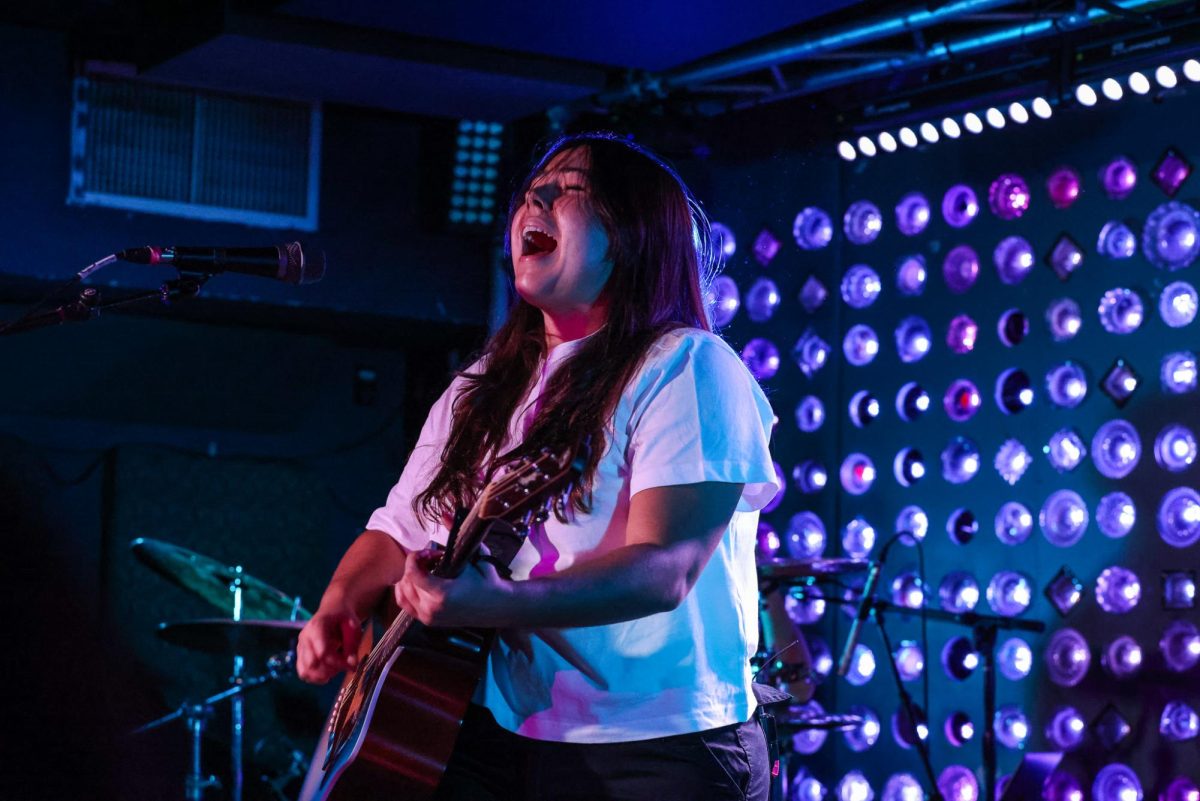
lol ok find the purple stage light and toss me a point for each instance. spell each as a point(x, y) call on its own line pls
point(762, 300)
point(810, 353)
point(1175, 448)
point(861, 346)
point(1064, 318)
point(913, 339)
point(1180, 645)
point(1111, 727)
point(1009, 593)
point(862, 666)
point(960, 205)
point(808, 788)
point(911, 275)
point(1012, 460)
point(860, 286)
point(1181, 788)
point(855, 787)
point(762, 357)
point(858, 538)
point(1119, 178)
point(1064, 591)
point(1170, 172)
point(960, 460)
point(1065, 450)
point(905, 787)
point(960, 268)
point(810, 477)
point(962, 526)
point(810, 413)
point(1179, 517)
point(1012, 327)
point(1063, 518)
point(1170, 239)
point(777, 498)
point(1118, 590)
point(907, 590)
point(863, 408)
point(724, 300)
point(958, 592)
point(1116, 241)
point(959, 658)
point(813, 294)
point(959, 729)
point(1067, 657)
point(1011, 726)
point(1178, 303)
point(1178, 722)
point(1013, 523)
point(1120, 382)
point(912, 214)
point(1014, 259)
point(913, 523)
point(1014, 391)
point(962, 334)
point(1121, 311)
point(911, 401)
point(723, 241)
point(766, 247)
point(1066, 728)
point(808, 741)
point(1116, 514)
point(1122, 658)
point(858, 474)
point(957, 783)
point(1116, 448)
point(909, 467)
point(1116, 782)
point(1015, 659)
point(1008, 196)
point(1062, 786)
point(1067, 385)
point(804, 605)
point(1179, 589)
point(962, 400)
point(864, 735)
point(910, 660)
point(1065, 257)
point(805, 538)
point(1063, 187)
point(812, 229)
point(862, 222)
point(767, 543)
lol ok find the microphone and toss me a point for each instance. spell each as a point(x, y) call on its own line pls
point(864, 609)
point(282, 262)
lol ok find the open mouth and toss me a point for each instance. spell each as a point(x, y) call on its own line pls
point(537, 243)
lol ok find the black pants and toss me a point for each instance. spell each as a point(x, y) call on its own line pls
point(493, 764)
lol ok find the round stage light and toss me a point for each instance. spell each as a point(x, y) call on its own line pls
point(1063, 187)
point(1066, 729)
point(810, 353)
point(808, 741)
point(1013, 327)
point(1177, 304)
point(1067, 385)
point(860, 286)
point(887, 142)
point(959, 592)
point(1042, 108)
point(951, 128)
point(913, 524)
point(929, 132)
point(1111, 88)
point(911, 275)
point(959, 658)
point(1171, 236)
point(862, 666)
point(1121, 311)
point(1116, 782)
point(1116, 448)
point(912, 214)
point(960, 460)
point(1179, 517)
point(1065, 450)
point(805, 538)
point(1062, 786)
point(1180, 645)
point(864, 735)
point(858, 538)
point(1009, 593)
point(1064, 318)
point(846, 150)
point(724, 300)
point(909, 467)
point(911, 401)
point(1167, 79)
point(812, 229)
point(810, 477)
point(1067, 657)
point(913, 339)
point(1119, 177)
point(962, 334)
point(810, 413)
point(959, 729)
point(857, 474)
point(1014, 523)
point(1191, 70)
point(910, 660)
point(962, 526)
point(1014, 391)
point(866, 146)
point(861, 346)
point(1018, 113)
point(1139, 83)
point(962, 400)
point(960, 205)
point(1011, 726)
point(1118, 590)
point(908, 137)
point(903, 787)
point(972, 122)
point(907, 590)
point(960, 268)
point(862, 222)
point(863, 408)
point(1086, 95)
point(1063, 518)
point(1175, 448)
point(804, 605)
point(1116, 515)
point(995, 118)
point(1012, 460)
point(1014, 259)
point(761, 357)
point(767, 543)
point(1179, 372)
point(1008, 196)
point(1116, 241)
point(1015, 659)
point(958, 783)
point(762, 300)
point(855, 787)
point(1122, 658)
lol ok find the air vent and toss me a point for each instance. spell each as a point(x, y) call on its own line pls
point(186, 153)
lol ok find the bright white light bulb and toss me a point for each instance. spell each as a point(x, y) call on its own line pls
point(1139, 83)
point(1166, 77)
point(887, 142)
point(1086, 95)
point(908, 137)
point(1042, 108)
point(1191, 70)
point(950, 128)
point(994, 117)
point(1018, 114)
point(866, 146)
point(846, 150)
point(1112, 89)
point(929, 133)
point(972, 122)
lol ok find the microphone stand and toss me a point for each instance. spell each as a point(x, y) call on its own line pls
point(89, 304)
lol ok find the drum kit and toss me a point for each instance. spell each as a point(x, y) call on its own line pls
point(260, 628)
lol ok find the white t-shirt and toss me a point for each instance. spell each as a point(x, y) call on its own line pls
point(691, 413)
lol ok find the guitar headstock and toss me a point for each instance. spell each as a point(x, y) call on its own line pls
point(532, 487)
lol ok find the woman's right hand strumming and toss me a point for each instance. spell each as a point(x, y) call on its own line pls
point(328, 645)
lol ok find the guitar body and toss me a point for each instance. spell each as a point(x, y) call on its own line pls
point(407, 723)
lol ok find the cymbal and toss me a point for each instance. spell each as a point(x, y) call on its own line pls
point(254, 638)
point(809, 568)
point(211, 580)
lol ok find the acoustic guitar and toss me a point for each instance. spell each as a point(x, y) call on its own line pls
point(393, 727)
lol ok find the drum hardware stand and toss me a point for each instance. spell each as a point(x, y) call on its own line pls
point(88, 305)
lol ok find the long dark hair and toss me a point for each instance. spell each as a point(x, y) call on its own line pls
point(659, 245)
